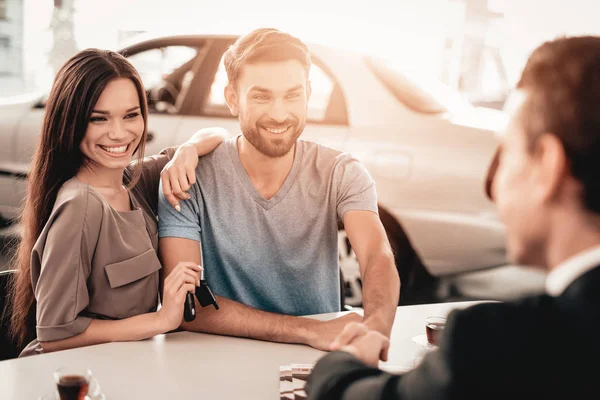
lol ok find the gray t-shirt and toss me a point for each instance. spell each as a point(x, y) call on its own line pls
point(278, 255)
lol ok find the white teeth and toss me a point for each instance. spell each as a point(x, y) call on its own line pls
point(115, 150)
point(277, 130)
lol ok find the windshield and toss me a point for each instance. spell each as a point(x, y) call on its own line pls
point(425, 96)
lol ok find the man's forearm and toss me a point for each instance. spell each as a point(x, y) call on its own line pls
point(236, 319)
point(381, 291)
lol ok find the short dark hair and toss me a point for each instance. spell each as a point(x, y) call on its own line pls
point(562, 80)
point(264, 44)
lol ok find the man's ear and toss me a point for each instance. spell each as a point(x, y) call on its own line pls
point(231, 98)
point(308, 91)
point(491, 174)
point(551, 169)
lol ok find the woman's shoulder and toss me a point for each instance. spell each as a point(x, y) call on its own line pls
point(78, 197)
point(77, 211)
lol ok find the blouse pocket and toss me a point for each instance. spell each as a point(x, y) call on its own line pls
point(134, 284)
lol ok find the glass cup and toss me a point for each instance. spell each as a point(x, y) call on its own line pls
point(73, 383)
point(433, 329)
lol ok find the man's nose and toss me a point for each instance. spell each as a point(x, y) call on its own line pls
point(278, 111)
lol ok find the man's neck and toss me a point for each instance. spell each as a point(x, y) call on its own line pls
point(266, 173)
point(575, 234)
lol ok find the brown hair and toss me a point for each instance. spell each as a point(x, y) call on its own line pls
point(264, 44)
point(75, 91)
point(562, 79)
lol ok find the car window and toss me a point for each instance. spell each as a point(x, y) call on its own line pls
point(425, 96)
point(167, 73)
point(322, 107)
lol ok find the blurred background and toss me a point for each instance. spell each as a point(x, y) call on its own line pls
point(475, 46)
point(429, 163)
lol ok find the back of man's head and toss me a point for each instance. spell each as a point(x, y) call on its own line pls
point(562, 80)
point(264, 45)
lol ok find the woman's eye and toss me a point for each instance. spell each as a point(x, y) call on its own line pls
point(97, 119)
point(132, 115)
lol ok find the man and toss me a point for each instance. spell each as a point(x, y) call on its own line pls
point(547, 188)
point(265, 210)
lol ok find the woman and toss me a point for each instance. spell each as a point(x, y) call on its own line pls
point(88, 267)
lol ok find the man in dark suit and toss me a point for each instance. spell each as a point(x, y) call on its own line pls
point(547, 189)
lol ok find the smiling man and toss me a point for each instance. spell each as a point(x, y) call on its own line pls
point(265, 207)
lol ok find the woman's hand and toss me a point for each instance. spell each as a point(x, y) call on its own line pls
point(179, 174)
point(181, 281)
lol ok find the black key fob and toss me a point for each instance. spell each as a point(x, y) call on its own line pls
point(189, 308)
point(205, 295)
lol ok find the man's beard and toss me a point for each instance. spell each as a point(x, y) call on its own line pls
point(277, 147)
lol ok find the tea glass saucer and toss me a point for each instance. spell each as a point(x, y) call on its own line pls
point(54, 396)
point(421, 340)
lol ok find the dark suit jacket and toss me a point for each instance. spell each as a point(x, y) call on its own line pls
point(541, 347)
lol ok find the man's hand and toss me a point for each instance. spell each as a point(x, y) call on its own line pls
point(367, 345)
point(180, 174)
point(322, 333)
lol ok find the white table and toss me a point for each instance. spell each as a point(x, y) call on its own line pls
point(188, 365)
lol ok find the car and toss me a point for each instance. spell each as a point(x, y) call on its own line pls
point(425, 146)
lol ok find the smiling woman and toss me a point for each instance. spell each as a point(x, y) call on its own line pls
point(88, 271)
point(115, 129)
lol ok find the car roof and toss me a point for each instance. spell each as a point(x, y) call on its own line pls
point(153, 36)
point(190, 36)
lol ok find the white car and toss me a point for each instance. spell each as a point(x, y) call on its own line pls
point(426, 147)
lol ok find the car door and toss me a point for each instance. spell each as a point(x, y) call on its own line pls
point(327, 120)
point(428, 158)
point(25, 144)
point(13, 112)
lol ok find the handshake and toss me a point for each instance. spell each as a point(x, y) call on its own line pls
point(368, 345)
point(365, 338)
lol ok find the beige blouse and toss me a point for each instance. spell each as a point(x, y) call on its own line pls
point(93, 262)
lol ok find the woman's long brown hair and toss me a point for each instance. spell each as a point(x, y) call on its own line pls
point(57, 159)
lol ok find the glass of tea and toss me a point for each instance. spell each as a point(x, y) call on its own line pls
point(433, 329)
point(74, 383)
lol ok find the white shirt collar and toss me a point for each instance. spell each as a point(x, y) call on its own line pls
point(567, 272)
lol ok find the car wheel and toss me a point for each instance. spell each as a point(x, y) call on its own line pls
point(418, 286)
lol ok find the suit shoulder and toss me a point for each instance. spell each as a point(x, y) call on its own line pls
point(514, 322)
point(492, 311)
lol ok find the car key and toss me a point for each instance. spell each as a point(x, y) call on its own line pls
point(189, 309)
point(204, 296)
